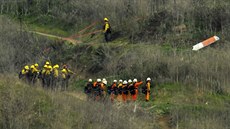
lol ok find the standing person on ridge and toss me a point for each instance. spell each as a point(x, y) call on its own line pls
point(107, 30)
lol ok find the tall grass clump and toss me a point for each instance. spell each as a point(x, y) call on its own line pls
point(204, 117)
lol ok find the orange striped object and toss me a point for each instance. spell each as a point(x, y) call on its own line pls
point(205, 43)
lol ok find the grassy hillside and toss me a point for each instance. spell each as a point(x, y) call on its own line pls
point(153, 39)
point(173, 106)
point(25, 107)
point(139, 20)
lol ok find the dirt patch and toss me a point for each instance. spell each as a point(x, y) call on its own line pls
point(164, 122)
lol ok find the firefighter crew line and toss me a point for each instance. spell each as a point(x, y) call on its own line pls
point(122, 91)
point(49, 75)
point(50, 78)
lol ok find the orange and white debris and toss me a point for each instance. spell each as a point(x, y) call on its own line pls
point(205, 43)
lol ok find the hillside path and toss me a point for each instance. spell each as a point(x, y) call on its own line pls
point(73, 41)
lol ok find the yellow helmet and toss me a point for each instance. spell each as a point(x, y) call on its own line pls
point(45, 66)
point(32, 67)
point(106, 19)
point(56, 66)
point(63, 71)
point(27, 67)
point(36, 65)
point(49, 67)
point(47, 63)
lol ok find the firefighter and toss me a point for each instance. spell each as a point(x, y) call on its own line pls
point(34, 73)
point(88, 88)
point(97, 90)
point(55, 75)
point(42, 75)
point(124, 90)
point(103, 89)
point(147, 85)
point(130, 89)
point(136, 84)
point(119, 91)
point(48, 76)
point(65, 77)
point(104, 85)
point(113, 90)
point(24, 73)
point(107, 30)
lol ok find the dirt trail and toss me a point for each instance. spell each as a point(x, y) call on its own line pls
point(73, 41)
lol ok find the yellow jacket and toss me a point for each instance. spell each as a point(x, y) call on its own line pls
point(34, 70)
point(43, 71)
point(119, 85)
point(106, 27)
point(148, 86)
point(55, 72)
point(24, 71)
point(48, 70)
point(64, 73)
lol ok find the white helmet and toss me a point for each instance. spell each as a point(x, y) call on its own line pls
point(129, 81)
point(125, 82)
point(114, 80)
point(135, 80)
point(103, 79)
point(90, 80)
point(120, 80)
point(98, 80)
point(148, 79)
point(105, 82)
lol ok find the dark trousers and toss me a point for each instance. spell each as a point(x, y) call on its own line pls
point(65, 84)
point(107, 36)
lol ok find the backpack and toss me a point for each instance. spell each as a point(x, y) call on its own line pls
point(132, 90)
point(109, 89)
point(144, 89)
point(119, 90)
